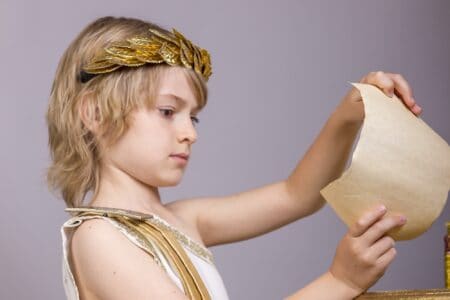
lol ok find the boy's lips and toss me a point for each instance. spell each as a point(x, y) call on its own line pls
point(181, 155)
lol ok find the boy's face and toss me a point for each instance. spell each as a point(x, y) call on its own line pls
point(146, 151)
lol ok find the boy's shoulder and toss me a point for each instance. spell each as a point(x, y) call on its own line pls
point(92, 242)
point(93, 229)
point(102, 255)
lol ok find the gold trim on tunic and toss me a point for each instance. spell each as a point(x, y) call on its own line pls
point(146, 230)
point(192, 245)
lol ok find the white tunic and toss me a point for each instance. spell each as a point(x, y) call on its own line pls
point(200, 256)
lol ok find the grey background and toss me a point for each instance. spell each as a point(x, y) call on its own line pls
point(280, 67)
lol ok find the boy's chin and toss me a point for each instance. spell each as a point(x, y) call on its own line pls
point(170, 182)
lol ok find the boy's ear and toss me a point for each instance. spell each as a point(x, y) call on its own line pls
point(89, 113)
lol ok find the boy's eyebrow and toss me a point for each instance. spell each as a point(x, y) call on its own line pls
point(179, 99)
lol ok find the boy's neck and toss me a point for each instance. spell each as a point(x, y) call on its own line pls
point(117, 189)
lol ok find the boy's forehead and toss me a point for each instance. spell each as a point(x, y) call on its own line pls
point(181, 101)
point(175, 85)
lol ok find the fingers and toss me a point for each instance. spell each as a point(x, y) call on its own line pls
point(366, 221)
point(380, 228)
point(403, 88)
point(381, 254)
point(391, 84)
point(405, 93)
point(382, 81)
point(384, 261)
point(381, 247)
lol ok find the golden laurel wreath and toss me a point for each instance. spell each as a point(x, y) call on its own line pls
point(174, 50)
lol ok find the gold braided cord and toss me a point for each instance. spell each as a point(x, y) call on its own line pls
point(159, 48)
point(193, 284)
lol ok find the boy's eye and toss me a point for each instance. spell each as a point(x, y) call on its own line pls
point(166, 112)
point(195, 120)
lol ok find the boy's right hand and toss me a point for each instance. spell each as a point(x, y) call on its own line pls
point(365, 252)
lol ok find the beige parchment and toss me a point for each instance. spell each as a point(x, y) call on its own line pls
point(399, 161)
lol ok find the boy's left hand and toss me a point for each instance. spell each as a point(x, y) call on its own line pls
point(351, 108)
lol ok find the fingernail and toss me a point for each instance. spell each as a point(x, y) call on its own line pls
point(402, 220)
point(382, 208)
point(417, 109)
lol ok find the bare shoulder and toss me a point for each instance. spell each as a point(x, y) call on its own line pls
point(109, 266)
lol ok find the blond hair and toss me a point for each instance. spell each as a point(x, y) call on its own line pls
point(74, 149)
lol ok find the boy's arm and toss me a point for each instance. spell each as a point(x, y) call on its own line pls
point(362, 257)
point(258, 211)
point(106, 265)
point(325, 287)
point(261, 210)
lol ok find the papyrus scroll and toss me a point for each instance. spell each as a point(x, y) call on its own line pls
point(399, 161)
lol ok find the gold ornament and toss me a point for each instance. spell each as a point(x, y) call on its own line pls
point(174, 50)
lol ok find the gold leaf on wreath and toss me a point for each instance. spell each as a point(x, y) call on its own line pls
point(170, 48)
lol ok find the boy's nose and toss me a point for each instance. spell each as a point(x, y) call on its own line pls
point(189, 133)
